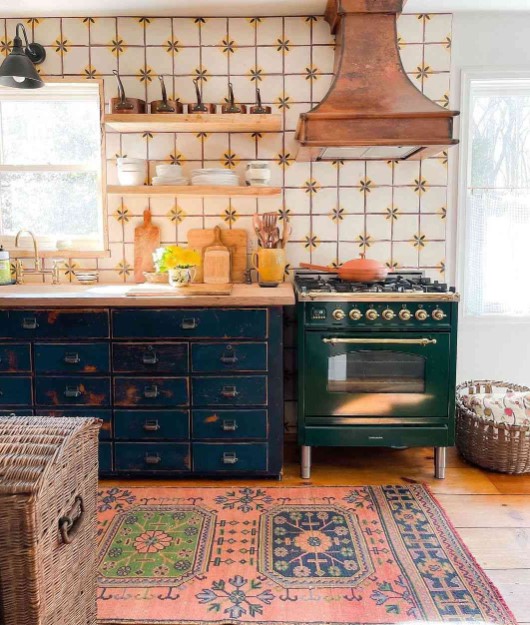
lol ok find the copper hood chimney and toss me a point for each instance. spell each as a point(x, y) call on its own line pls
point(372, 111)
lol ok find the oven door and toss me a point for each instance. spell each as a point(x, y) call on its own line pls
point(377, 375)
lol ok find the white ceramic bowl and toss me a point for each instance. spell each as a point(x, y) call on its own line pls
point(131, 178)
point(169, 170)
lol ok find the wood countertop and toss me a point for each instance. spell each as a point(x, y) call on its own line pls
point(115, 295)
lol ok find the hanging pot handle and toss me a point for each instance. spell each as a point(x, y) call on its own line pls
point(123, 104)
point(163, 87)
point(70, 524)
point(258, 98)
point(231, 96)
point(198, 92)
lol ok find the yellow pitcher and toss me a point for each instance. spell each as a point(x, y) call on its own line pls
point(270, 265)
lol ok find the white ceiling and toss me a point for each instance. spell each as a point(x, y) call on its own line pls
point(207, 8)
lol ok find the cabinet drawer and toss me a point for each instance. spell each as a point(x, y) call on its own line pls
point(15, 358)
point(15, 391)
point(159, 392)
point(378, 436)
point(72, 358)
point(152, 456)
point(210, 323)
point(54, 324)
point(105, 457)
point(229, 424)
point(219, 357)
point(78, 391)
point(230, 391)
point(25, 412)
point(152, 424)
point(146, 357)
point(233, 457)
point(105, 432)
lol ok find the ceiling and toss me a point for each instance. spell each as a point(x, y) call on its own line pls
point(207, 8)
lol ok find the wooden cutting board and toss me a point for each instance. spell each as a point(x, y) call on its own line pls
point(216, 267)
point(152, 290)
point(146, 240)
point(235, 240)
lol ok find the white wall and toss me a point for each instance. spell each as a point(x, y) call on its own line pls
point(497, 350)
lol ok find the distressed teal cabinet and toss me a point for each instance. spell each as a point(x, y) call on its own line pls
point(180, 391)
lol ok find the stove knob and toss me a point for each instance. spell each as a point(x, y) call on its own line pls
point(372, 314)
point(338, 314)
point(388, 314)
point(405, 315)
point(438, 314)
point(356, 314)
point(422, 315)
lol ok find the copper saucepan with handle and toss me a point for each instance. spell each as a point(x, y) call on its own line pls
point(357, 270)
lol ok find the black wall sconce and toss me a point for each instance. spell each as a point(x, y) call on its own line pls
point(18, 69)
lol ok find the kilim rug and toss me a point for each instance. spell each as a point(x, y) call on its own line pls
point(285, 556)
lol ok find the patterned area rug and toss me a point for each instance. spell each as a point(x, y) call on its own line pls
point(284, 556)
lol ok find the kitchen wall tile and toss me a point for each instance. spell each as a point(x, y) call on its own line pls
point(435, 172)
point(324, 58)
point(131, 31)
point(438, 28)
point(321, 32)
point(410, 29)
point(380, 250)
point(214, 31)
point(269, 30)
point(187, 61)
point(434, 201)
point(406, 227)
point(437, 87)
point(47, 31)
point(242, 31)
point(351, 227)
point(405, 255)
point(76, 30)
point(158, 31)
point(352, 200)
point(186, 31)
point(270, 60)
point(412, 57)
point(214, 61)
point(433, 227)
point(378, 227)
point(52, 65)
point(160, 62)
point(76, 60)
point(379, 199)
point(438, 57)
point(406, 200)
point(297, 60)
point(433, 254)
point(103, 31)
point(103, 62)
point(320, 87)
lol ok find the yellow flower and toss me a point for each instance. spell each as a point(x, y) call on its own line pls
point(173, 257)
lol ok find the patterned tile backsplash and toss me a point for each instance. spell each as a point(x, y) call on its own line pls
point(393, 212)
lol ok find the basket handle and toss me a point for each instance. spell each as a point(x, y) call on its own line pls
point(69, 525)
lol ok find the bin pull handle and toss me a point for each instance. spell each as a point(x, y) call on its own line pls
point(69, 525)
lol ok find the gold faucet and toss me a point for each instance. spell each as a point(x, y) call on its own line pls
point(20, 269)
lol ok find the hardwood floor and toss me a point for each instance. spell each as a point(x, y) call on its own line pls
point(490, 511)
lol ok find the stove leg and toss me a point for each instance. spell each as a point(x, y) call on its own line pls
point(440, 455)
point(306, 462)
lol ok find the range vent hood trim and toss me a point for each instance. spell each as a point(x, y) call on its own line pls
point(372, 111)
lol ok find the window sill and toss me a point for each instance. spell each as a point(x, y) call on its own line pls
point(18, 253)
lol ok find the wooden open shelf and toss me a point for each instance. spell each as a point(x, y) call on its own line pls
point(204, 191)
point(170, 122)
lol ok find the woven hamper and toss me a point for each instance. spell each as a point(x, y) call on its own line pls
point(48, 491)
point(502, 447)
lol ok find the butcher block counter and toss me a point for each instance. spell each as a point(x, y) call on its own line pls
point(185, 386)
point(27, 295)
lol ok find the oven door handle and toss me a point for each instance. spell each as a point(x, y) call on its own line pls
point(338, 341)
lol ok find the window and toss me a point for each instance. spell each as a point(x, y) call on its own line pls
point(51, 164)
point(496, 239)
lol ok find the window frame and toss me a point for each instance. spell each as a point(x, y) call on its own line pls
point(468, 75)
point(9, 241)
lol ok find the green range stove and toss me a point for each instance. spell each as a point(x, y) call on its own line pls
point(376, 363)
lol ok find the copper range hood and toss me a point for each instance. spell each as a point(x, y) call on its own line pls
point(372, 111)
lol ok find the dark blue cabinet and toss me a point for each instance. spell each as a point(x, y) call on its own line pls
point(179, 391)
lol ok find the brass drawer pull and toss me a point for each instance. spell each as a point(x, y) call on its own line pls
point(339, 341)
point(152, 459)
point(151, 426)
point(230, 457)
point(189, 324)
point(69, 525)
point(30, 323)
point(72, 392)
point(229, 392)
point(149, 357)
point(229, 425)
point(151, 392)
point(229, 357)
point(376, 438)
point(72, 358)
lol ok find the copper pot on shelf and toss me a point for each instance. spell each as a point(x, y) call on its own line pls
point(259, 108)
point(357, 270)
point(123, 104)
point(164, 105)
point(231, 108)
point(200, 107)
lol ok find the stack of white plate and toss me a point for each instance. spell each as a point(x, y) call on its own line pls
point(132, 171)
point(216, 177)
point(170, 175)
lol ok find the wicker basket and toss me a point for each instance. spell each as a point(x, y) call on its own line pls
point(48, 490)
point(496, 446)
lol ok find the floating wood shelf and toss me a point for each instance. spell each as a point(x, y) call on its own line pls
point(168, 122)
point(204, 191)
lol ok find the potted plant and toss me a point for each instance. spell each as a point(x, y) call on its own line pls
point(179, 263)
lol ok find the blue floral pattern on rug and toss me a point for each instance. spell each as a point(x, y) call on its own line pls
point(313, 545)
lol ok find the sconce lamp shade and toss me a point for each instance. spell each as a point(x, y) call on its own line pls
point(18, 68)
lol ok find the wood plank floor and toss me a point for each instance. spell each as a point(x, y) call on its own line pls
point(490, 511)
